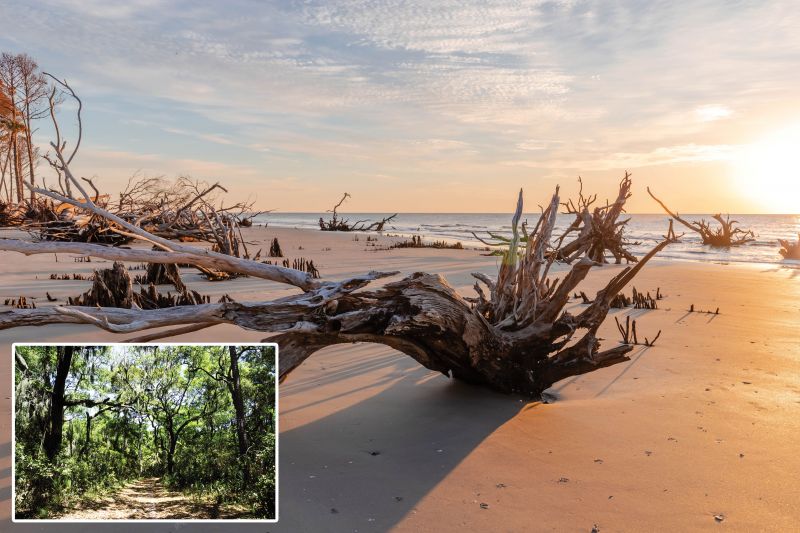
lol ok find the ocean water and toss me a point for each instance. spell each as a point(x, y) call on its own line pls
point(647, 230)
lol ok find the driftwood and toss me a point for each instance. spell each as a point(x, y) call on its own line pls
point(790, 250)
point(184, 209)
point(599, 230)
point(518, 339)
point(515, 336)
point(725, 236)
point(337, 224)
point(637, 299)
point(595, 233)
point(30, 211)
point(160, 274)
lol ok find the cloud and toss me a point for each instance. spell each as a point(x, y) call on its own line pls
point(665, 155)
point(712, 112)
point(405, 88)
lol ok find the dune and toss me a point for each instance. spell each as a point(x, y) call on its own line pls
point(697, 432)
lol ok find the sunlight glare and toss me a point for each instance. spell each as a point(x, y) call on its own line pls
point(768, 171)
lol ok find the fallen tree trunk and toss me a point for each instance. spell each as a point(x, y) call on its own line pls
point(518, 338)
point(725, 236)
point(337, 224)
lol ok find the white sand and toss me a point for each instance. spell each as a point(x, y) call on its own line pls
point(705, 423)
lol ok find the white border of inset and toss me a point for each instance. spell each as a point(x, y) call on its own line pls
point(143, 520)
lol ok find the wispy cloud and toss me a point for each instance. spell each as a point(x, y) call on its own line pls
point(323, 89)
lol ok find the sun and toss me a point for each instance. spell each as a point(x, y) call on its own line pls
point(768, 171)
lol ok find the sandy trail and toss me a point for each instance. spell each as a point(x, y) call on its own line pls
point(144, 499)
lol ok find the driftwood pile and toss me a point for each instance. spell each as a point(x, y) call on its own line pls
point(186, 210)
point(515, 336)
point(58, 222)
point(337, 224)
point(725, 236)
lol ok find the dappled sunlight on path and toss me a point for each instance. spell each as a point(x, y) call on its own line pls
point(145, 499)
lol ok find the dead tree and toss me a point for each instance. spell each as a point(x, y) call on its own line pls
point(518, 338)
point(599, 230)
point(725, 236)
point(790, 250)
point(337, 224)
point(595, 233)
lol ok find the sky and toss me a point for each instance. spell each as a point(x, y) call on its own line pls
point(421, 106)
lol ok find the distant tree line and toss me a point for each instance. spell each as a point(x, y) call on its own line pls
point(25, 94)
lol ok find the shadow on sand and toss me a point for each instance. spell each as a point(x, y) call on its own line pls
point(363, 466)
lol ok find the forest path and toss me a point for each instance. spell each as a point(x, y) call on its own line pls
point(143, 499)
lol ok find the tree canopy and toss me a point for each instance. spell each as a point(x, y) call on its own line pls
point(90, 418)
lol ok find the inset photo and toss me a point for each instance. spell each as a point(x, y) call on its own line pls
point(148, 432)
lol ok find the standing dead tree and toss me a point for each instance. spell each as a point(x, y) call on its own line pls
point(790, 250)
point(725, 236)
point(337, 224)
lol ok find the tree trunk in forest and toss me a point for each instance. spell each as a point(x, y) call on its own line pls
point(235, 387)
point(88, 439)
point(173, 442)
point(52, 438)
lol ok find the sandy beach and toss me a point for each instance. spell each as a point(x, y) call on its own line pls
point(698, 432)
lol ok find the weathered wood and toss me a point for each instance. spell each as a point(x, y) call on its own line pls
point(513, 343)
point(178, 254)
point(514, 337)
point(337, 224)
point(725, 236)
